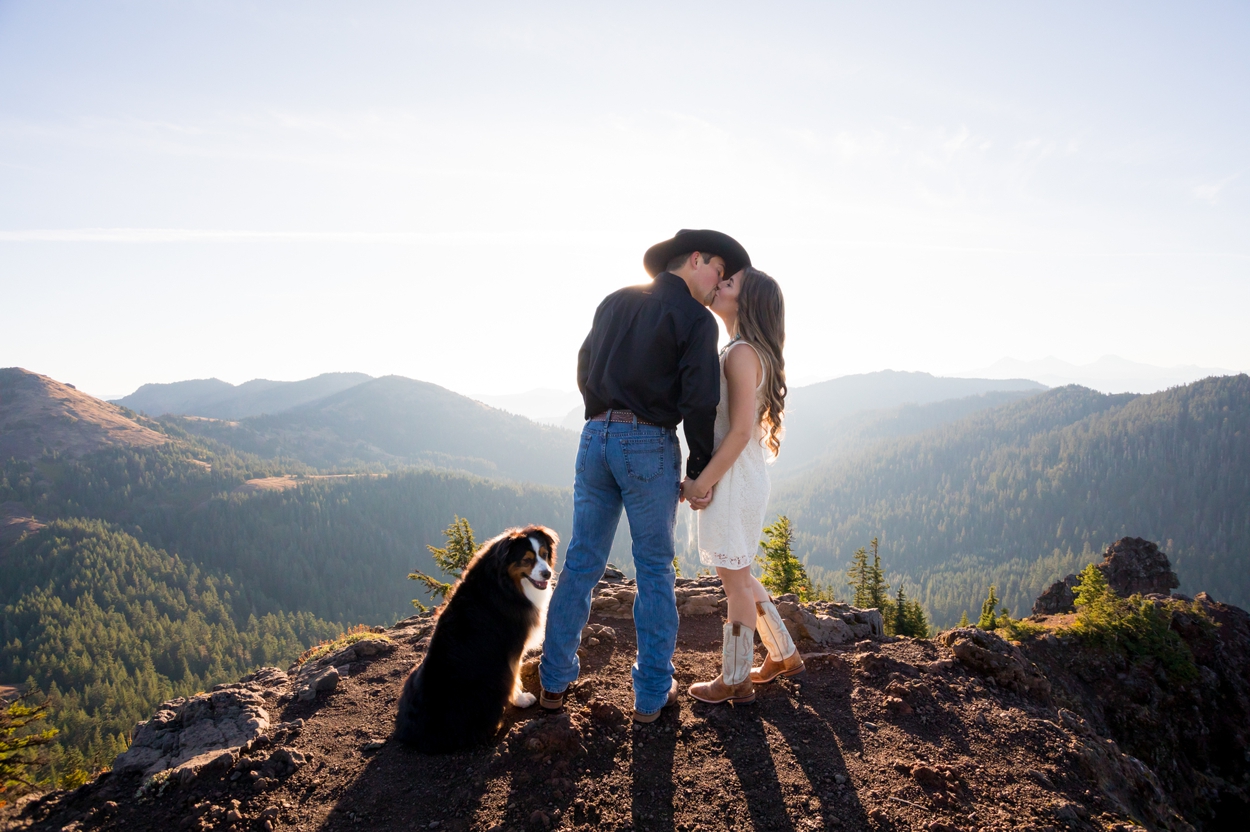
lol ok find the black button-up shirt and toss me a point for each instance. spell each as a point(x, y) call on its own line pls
point(652, 350)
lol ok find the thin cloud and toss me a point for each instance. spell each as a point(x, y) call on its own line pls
point(196, 235)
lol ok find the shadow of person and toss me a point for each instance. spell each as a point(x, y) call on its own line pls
point(651, 771)
point(806, 762)
point(819, 744)
point(402, 789)
point(741, 734)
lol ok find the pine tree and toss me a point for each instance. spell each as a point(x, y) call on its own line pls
point(989, 620)
point(963, 619)
point(20, 742)
point(860, 575)
point(917, 620)
point(452, 559)
point(906, 617)
point(900, 614)
point(783, 572)
point(1092, 586)
point(878, 589)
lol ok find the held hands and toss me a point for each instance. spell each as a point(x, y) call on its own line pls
point(699, 496)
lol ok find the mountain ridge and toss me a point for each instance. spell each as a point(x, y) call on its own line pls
point(217, 399)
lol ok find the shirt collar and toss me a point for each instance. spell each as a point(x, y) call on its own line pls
point(672, 280)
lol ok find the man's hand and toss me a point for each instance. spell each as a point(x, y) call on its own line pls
point(698, 496)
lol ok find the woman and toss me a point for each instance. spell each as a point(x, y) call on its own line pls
point(747, 435)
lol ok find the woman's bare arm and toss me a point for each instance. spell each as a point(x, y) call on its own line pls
point(742, 373)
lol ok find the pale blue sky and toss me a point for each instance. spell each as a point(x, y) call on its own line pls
point(276, 190)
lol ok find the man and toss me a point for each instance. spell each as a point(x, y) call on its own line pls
point(648, 363)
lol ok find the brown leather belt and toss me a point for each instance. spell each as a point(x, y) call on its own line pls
point(623, 416)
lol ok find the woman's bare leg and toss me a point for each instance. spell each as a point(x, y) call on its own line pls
point(758, 592)
point(739, 587)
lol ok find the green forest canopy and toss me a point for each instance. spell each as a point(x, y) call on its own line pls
point(1023, 494)
point(108, 627)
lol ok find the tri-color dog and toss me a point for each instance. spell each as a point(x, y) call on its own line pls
point(455, 698)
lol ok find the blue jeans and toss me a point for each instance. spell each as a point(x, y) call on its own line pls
point(637, 467)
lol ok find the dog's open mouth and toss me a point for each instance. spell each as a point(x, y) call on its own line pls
point(538, 584)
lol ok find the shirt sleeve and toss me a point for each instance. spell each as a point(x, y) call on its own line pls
point(699, 372)
point(583, 365)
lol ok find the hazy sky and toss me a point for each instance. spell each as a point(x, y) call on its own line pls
point(279, 189)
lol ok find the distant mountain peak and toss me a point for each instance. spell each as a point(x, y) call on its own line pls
point(38, 412)
point(1109, 374)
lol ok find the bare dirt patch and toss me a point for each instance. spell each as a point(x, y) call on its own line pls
point(287, 482)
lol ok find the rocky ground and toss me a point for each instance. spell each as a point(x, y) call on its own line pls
point(962, 732)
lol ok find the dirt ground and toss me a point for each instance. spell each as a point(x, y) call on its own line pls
point(885, 734)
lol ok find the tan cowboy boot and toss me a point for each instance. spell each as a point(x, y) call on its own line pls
point(777, 639)
point(733, 685)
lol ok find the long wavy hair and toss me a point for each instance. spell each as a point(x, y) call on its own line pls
point(762, 324)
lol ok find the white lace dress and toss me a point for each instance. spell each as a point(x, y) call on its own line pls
point(730, 527)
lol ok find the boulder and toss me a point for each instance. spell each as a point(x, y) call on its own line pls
point(1059, 597)
point(183, 730)
point(326, 680)
point(990, 655)
point(1134, 566)
point(1131, 565)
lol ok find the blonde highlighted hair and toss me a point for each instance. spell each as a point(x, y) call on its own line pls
point(762, 324)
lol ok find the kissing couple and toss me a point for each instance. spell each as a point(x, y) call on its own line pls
point(649, 363)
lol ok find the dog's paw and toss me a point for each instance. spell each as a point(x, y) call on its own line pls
point(524, 699)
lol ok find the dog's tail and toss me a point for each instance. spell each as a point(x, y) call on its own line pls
point(408, 721)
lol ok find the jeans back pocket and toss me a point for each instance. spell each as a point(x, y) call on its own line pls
point(583, 449)
point(645, 456)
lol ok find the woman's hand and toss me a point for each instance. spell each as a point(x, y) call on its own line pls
point(699, 496)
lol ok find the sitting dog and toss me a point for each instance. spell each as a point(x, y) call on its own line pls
point(496, 611)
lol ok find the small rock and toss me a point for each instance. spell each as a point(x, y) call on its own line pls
point(897, 706)
point(372, 745)
point(1066, 813)
point(928, 778)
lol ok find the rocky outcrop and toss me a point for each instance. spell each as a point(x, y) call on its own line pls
point(965, 731)
point(322, 675)
point(1132, 566)
point(1058, 598)
point(824, 623)
point(199, 730)
point(990, 655)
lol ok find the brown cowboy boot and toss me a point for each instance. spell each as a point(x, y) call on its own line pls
point(777, 639)
point(733, 685)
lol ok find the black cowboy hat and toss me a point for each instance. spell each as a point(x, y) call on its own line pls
point(707, 242)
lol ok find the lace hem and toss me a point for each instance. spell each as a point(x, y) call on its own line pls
point(727, 561)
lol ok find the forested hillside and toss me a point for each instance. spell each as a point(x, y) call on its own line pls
point(862, 429)
point(109, 627)
point(1024, 493)
point(395, 422)
point(819, 416)
point(338, 547)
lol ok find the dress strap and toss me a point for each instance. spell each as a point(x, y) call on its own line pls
point(760, 358)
